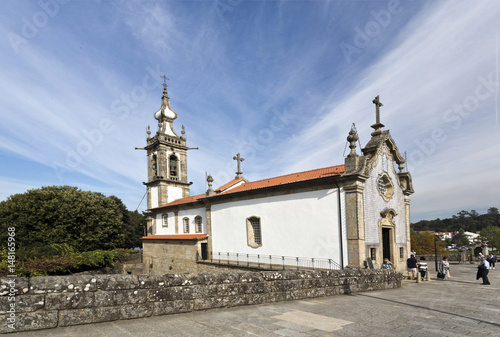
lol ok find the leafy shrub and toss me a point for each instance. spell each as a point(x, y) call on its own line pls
point(66, 262)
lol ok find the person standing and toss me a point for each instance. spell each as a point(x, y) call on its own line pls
point(492, 261)
point(484, 265)
point(444, 267)
point(411, 264)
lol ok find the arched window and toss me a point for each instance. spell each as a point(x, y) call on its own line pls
point(154, 165)
point(165, 220)
point(173, 165)
point(186, 225)
point(254, 232)
point(199, 224)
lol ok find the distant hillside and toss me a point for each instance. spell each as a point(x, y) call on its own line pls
point(468, 221)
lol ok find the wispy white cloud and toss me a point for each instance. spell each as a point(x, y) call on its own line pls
point(266, 79)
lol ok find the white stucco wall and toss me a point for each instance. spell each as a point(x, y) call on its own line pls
point(191, 214)
point(374, 203)
point(154, 196)
point(295, 225)
point(173, 193)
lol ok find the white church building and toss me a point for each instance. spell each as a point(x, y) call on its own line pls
point(347, 213)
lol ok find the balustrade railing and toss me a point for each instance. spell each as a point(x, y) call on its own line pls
point(271, 262)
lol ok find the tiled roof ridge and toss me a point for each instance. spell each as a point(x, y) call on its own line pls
point(298, 173)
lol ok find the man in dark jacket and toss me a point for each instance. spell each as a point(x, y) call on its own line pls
point(411, 264)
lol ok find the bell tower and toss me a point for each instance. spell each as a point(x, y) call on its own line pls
point(166, 155)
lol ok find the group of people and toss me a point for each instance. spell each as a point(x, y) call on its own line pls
point(414, 266)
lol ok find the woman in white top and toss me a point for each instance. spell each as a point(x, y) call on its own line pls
point(444, 267)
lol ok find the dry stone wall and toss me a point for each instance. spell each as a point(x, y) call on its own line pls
point(58, 301)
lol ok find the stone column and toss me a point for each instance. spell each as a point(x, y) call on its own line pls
point(407, 220)
point(208, 216)
point(355, 224)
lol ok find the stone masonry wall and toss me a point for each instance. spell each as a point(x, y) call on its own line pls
point(58, 301)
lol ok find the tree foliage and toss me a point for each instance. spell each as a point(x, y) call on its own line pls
point(423, 243)
point(491, 235)
point(59, 260)
point(461, 240)
point(84, 220)
point(468, 221)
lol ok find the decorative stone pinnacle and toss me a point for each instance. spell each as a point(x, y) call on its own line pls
point(239, 160)
point(148, 132)
point(210, 190)
point(352, 138)
point(183, 132)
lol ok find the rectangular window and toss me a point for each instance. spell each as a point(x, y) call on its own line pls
point(257, 238)
point(186, 225)
point(373, 254)
point(254, 232)
point(401, 253)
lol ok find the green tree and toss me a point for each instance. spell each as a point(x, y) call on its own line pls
point(493, 211)
point(491, 235)
point(62, 214)
point(461, 239)
point(133, 225)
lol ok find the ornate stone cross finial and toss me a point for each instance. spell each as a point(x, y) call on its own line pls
point(378, 104)
point(377, 126)
point(239, 160)
point(165, 78)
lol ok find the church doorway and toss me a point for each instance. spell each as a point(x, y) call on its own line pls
point(386, 243)
point(204, 251)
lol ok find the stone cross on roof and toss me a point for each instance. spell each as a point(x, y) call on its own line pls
point(239, 160)
point(378, 104)
point(377, 126)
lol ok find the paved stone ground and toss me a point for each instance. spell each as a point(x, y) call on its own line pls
point(458, 307)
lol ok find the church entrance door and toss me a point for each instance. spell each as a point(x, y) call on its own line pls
point(204, 251)
point(386, 243)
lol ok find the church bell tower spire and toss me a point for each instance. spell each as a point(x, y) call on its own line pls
point(167, 158)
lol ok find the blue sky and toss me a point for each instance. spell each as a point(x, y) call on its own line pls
point(280, 82)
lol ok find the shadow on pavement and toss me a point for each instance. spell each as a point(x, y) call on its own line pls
point(435, 310)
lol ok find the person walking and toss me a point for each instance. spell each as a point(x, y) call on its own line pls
point(483, 271)
point(492, 259)
point(411, 264)
point(444, 267)
point(422, 267)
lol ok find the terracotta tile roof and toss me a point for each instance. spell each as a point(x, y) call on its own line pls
point(183, 200)
point(289, 178)
point(231, 183)
point(276, 181)
point(176, 237)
